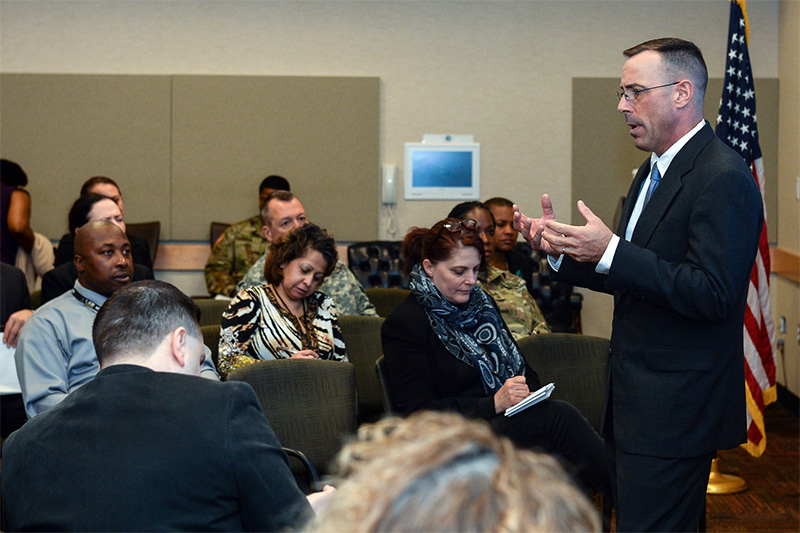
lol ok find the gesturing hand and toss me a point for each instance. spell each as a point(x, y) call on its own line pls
point(513, 391)
point(532, 228)
point(583, 243)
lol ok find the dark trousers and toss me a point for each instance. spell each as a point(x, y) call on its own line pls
point(12, 414)
point(556, 427)
point(658, 493)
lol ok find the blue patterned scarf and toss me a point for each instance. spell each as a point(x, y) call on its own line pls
point(473, 332)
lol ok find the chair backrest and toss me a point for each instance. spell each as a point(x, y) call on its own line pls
point(389, 405)
point(310, 403)
point(576, 364)
point(211, 310)
point(362, 338)
point(377, 264)
point(149, 231)
point(36, 299)
point(216, 230)
point(211, 339)
point(386, 299)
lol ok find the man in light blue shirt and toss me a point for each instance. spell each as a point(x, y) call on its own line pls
point(55, 354)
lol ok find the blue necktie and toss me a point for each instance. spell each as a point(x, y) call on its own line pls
point(655, 179)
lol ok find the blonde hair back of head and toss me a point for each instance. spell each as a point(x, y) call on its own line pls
point(440, 472)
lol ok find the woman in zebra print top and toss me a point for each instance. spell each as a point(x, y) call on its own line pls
point(285, 317)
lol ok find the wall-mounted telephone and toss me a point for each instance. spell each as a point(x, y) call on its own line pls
point(389, 184)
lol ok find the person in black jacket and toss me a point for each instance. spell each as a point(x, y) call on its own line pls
point(448, 349)
point(148, 445)
point(15, 309)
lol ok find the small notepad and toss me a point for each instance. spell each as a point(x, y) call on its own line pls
point(532, 399)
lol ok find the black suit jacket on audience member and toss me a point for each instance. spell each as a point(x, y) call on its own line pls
point(680, 288)
point(15, 295)
point(140, 251)
point(138, 450)
point(62, 279)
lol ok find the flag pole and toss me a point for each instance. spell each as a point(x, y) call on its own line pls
point(736, 126)
point(719, 483)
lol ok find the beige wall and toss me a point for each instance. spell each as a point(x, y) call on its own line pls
point(785, 292)
point(501, 71)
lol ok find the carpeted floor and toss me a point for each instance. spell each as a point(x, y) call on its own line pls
point(772, 499)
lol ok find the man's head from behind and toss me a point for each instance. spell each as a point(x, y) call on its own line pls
point(103, 257)
point(150, 323)
point(281, 213)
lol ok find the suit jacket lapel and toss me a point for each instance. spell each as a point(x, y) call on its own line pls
point(630, 199)
point(670, 184)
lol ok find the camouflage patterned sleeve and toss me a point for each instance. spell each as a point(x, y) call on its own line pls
point(363, 306)
point(254, 276)
point(538, 323)
point(219, 266)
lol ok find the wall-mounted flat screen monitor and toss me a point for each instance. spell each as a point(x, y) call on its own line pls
point(447, 171)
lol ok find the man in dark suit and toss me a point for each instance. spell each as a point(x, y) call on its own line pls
point(678, 268)
point(15, 310)
point(148, 445)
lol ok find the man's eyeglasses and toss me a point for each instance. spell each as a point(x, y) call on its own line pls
point(633, 94)
point(455, 227)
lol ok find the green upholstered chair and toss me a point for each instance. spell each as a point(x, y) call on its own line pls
point(390, 408)
point(576, 364)
point(149, 231)
point(211, 339)
point(310, 404)
point(211, 310)
point(362, 339)
point(36, 299)
point(386, 299)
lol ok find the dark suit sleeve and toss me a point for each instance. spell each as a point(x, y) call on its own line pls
point(66, 250)
point(697, 269)
point(422, 374)
point(14, 293)
point(268, 495)
point(57, 282)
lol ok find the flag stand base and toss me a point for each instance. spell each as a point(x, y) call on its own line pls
point(719, 483)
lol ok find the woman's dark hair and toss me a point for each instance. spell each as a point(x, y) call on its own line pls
point(12, 174)
point(460, 211)
point(79, 213)
point(296, 244)
point(437, 243)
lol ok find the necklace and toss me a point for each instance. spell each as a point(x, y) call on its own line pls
point(302, 324)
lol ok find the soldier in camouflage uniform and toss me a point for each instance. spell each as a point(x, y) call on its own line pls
point(517, 307)
point(283, 212)
point(232, 256)
point(240, 246)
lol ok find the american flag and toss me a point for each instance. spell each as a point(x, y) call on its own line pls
point(736, 126)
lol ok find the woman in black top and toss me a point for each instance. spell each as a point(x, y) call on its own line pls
point(447, 349)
